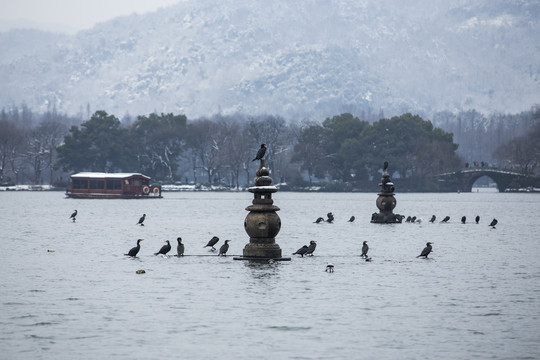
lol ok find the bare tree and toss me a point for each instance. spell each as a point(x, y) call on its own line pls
point(11, 141)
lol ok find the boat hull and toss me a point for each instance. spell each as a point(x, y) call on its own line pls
point(110, 196)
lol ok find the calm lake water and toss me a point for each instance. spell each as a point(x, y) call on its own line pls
point(477, 297)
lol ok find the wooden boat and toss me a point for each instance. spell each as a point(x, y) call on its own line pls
point(93, 185)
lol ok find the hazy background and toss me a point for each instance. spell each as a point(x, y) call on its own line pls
point(69, 16)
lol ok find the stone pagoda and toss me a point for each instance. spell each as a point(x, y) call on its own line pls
point(386, 201)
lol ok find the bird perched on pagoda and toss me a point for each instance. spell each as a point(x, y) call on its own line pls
point(260, 153)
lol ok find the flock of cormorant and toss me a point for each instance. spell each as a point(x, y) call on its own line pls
point(410, 219)
point(304, 250)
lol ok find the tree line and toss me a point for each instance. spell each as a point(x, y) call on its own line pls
point(340, 153)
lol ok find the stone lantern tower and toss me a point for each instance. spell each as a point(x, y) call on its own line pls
point(262, 224)
point(386, 201)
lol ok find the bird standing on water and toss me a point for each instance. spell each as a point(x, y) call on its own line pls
point(141, 220)
point(432, 220)
point(493, 223)
point(477, 219)
point(330, 217)
point(213, 241)
point(463, 219)
point(426, 251)
point(164, 249)
point(260, 153)
point(301, 251)
point(74, 215)
point(319, 220)
point(311, 248)
point(135, 250)
point(365, 249)
point(446, 218)
point(179, 247)
point(224, 248)
point(352, 219)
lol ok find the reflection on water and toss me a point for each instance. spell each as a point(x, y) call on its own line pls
point(477, 295)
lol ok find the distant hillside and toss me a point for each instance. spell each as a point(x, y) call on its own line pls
point(297, 59)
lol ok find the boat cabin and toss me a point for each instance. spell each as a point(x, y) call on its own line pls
point(112, 185)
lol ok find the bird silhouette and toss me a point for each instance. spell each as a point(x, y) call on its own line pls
point(224, 248)
point(445, 220)
point(164, 249)
point(260, 153)
point(426, 251)
point(477, 219)
point(179, 247)
point(330, 217)
point(319, 220)
point(311, 248)
point(352, 219)
point(213, 241)
point(365, 249)
point(141, 220)
point(135, 250)
point(432, 220)
point(493, 223)
point(463, 219)
point(73, 215)
point(301, 251)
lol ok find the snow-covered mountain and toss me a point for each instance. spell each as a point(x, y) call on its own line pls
point(296, 59)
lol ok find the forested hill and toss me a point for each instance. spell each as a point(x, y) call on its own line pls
point(295, 59)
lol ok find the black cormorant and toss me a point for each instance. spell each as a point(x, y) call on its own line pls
point(311, 247)
point(463, 219)
point(74, 215)
point(141, 220)
point(413, 219)
point(493, 223)
point(301, 251)
point(319, 220)
point(408, 219)
point(213, 241)
point(135, 250)
point(179, 247)
point(432, 220)
point(164, 249)
point(330, 217)
point(260, 153)
point(446, 218)
point(477, 219)
point(329, 267)
point(426, 250)
point(365, 249)
point(224, 248)
point(352, 219)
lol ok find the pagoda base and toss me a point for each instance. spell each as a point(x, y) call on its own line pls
point(261, 259)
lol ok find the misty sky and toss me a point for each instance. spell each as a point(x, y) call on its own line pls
point(70, 15)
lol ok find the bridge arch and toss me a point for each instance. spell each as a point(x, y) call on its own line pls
point(464, 180)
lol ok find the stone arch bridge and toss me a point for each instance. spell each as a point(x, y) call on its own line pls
point(464, 180)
